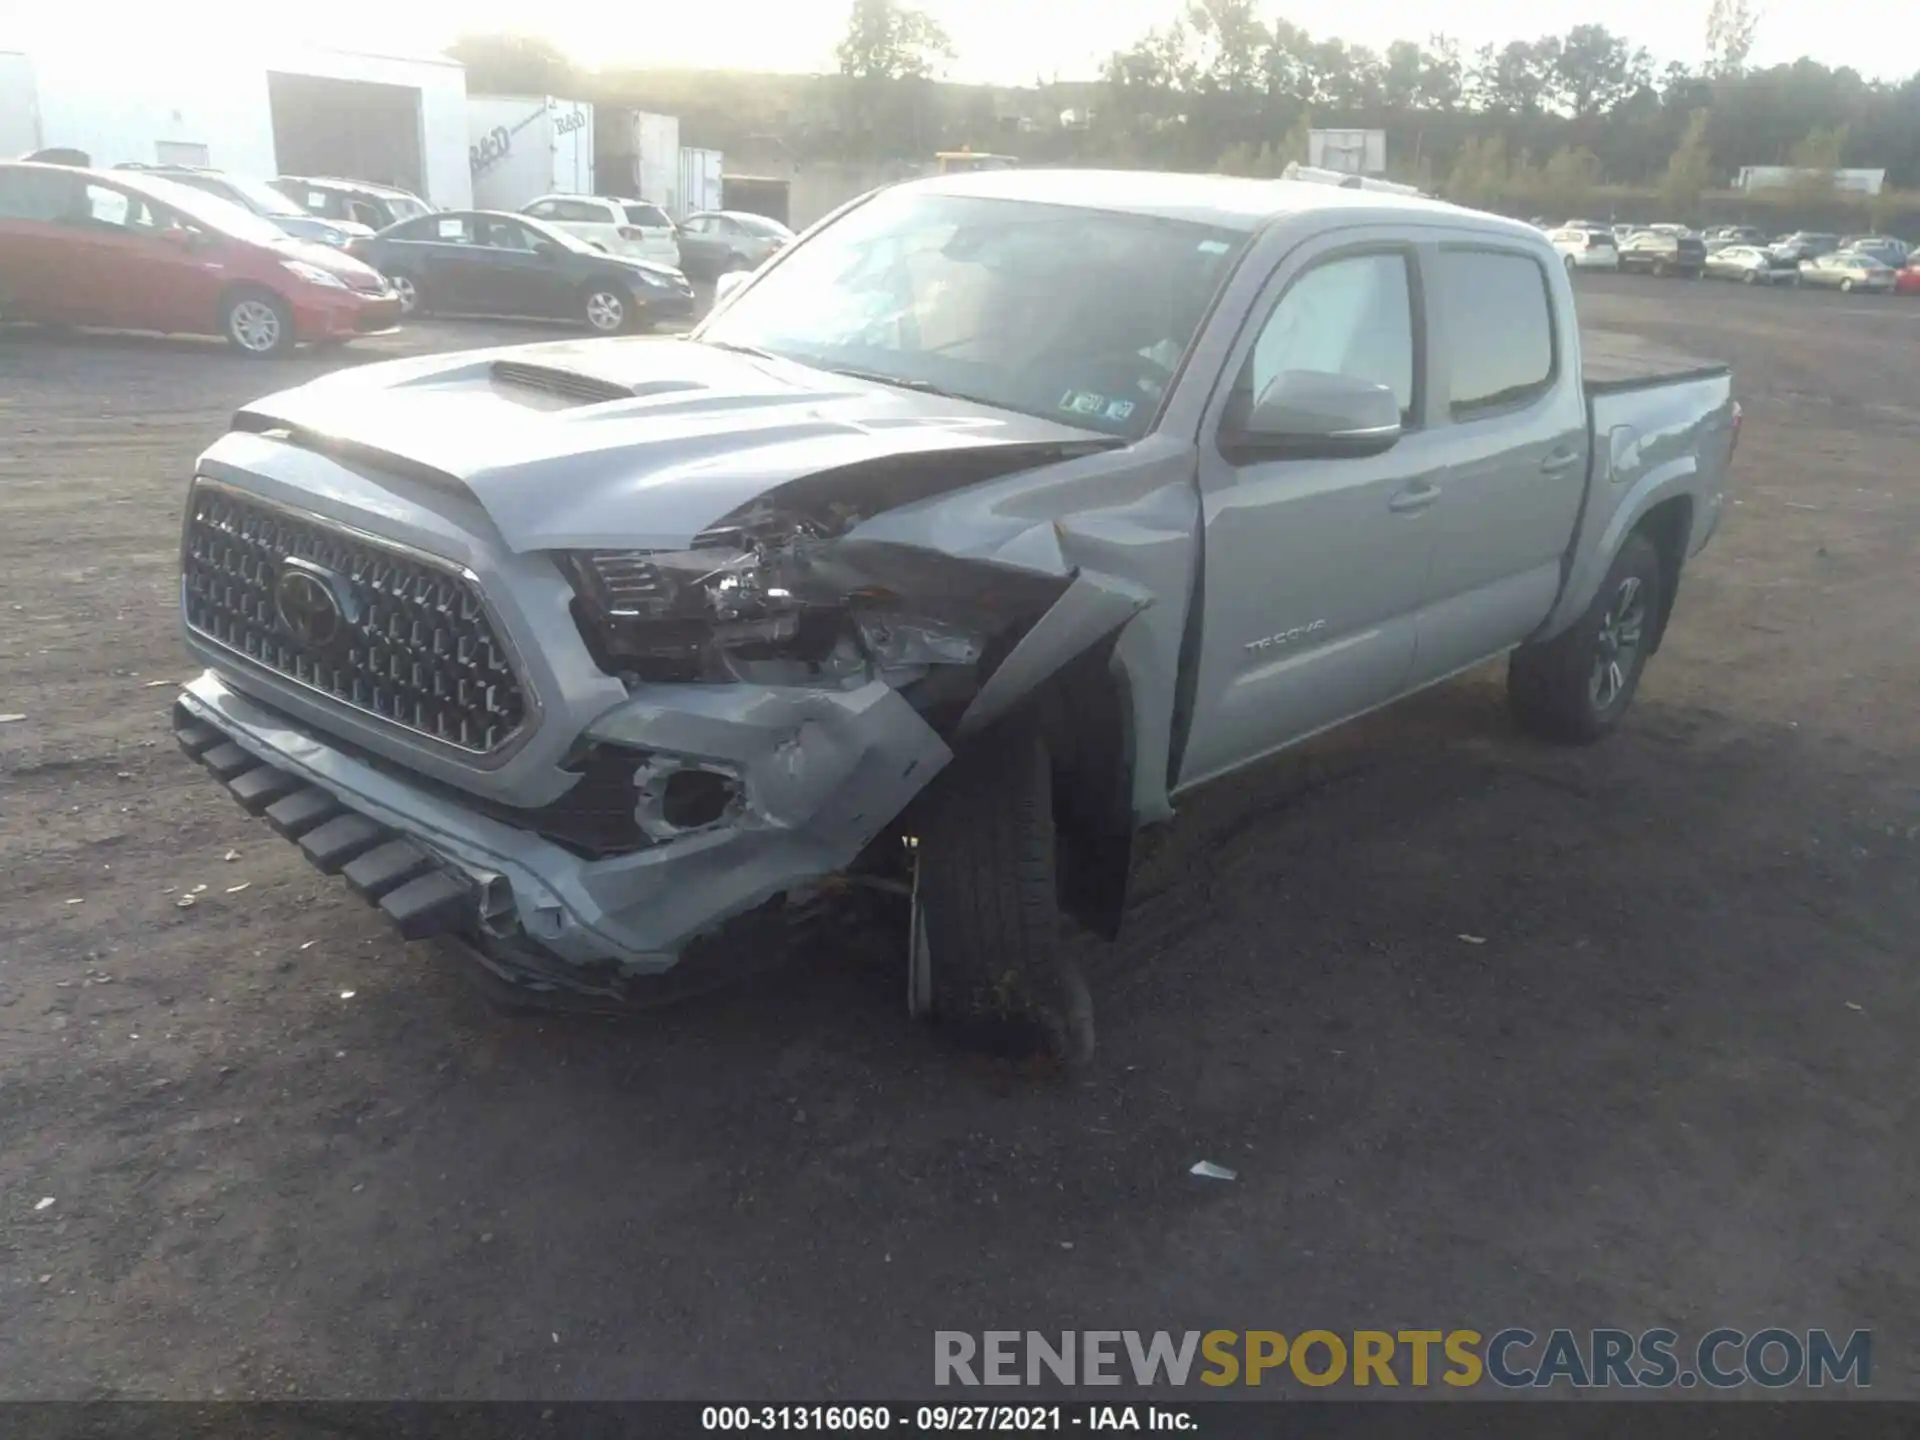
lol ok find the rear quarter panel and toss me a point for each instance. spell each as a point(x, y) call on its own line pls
point(1662, 441)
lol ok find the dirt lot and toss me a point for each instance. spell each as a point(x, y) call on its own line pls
point(1675, 1084)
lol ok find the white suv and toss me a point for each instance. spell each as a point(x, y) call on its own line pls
point(1585, 248)
point(638, 229)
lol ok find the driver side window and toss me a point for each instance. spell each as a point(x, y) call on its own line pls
point(1351, 316)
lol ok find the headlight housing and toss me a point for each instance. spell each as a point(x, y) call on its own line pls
point(788, 605)
point(313, 274)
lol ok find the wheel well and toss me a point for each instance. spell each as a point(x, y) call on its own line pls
point(1668, 525)
point(249, 287)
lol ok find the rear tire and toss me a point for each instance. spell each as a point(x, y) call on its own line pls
point(1575, 687)
point(1846, 284)
point(988, 959)
point(257, 323)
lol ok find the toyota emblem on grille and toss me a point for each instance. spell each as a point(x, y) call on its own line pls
point(312, 605)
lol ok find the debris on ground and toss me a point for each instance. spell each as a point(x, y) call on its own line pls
point(1207, 1170)
point(1474, 939)
point(45, 1202)
point(9, 719)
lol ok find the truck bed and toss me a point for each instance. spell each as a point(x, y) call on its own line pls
point(1613, 361)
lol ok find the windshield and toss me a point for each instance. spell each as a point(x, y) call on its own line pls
point(761, 225)
point(558, 236)
point(1071, 314)
point(256, 195)
point(213, 212)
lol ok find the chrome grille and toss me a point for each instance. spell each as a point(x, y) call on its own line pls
point(416, 646)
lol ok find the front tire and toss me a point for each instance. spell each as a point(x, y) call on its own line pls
point(607, 309)
point(1575, 687)
point(1846, 285)
point(258, 323)
point(987, 957)
point(407, 291)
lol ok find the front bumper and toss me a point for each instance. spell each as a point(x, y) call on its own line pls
point(820, 774)
point(336, 314)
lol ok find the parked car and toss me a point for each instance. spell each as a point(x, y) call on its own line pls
point(1735, 235)
point(1623, 230)
point(1906, 280)
point(712, 242)
point(1847, 270)
point(487, 262)
point(928, 515)
point(634, 228)
point(262, 199)
point(1751, 265)
point(1805, 245)
point(1585, 248)
point(1882, 247)
point(351, 201)
point(130, 251)
point(1661, 252)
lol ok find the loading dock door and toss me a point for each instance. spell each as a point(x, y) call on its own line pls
point(355, 129)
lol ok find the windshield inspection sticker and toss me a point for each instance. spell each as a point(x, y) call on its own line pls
point(1212, 247)
point(1119, 409)
point(1082, 402)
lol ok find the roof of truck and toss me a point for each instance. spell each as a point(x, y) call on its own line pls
point(1226, 201)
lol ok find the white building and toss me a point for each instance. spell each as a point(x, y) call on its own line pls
point(286, 110)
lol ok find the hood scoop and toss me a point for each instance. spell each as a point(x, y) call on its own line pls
point(572, 387)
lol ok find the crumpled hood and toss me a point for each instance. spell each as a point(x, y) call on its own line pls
point(557, 466)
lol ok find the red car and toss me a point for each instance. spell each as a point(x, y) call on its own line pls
point(132, 252)
point(1906, 280)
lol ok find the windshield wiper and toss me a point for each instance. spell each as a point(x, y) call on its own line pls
point(923, 387)
point(754, 351)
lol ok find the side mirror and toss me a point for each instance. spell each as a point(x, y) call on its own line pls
point(1316, 414)
point(728, 283)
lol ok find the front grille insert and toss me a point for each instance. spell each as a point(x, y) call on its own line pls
point(412, 643)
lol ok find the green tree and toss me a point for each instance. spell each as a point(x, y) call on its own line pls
point(1731, 26)
point(1568, 181)
point(886, 40)
point(1814, 160)
point(1690, 171)
point(1594, 70)
point(514, 65)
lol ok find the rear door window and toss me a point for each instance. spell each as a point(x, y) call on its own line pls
point(1498, 322)
point(651, 217)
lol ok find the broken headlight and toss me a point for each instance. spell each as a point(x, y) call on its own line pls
point(765, 613)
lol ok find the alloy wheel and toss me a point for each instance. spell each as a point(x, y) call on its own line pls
point(1621, 631)
point(408, 296)
point(606, 311)
point(255, 325)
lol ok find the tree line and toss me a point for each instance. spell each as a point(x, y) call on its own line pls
point(1546, 122)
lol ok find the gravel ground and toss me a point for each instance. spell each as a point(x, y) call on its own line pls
point(287, 1154)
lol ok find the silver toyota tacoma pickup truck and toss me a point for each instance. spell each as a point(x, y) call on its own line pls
point(954, 546)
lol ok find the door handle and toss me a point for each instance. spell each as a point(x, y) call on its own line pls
point(1416, 496)
point(1560, 462)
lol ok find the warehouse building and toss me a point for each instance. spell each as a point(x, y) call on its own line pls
point(284, 111)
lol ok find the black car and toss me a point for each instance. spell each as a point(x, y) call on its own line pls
point(357, 201)
point(485, 262)
point(1660, 252)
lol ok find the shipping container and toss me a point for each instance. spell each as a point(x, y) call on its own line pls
point(699, 182)
point(656, 165)
point(526, 146)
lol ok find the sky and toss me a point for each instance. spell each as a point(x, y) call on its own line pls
point(1011, 42)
